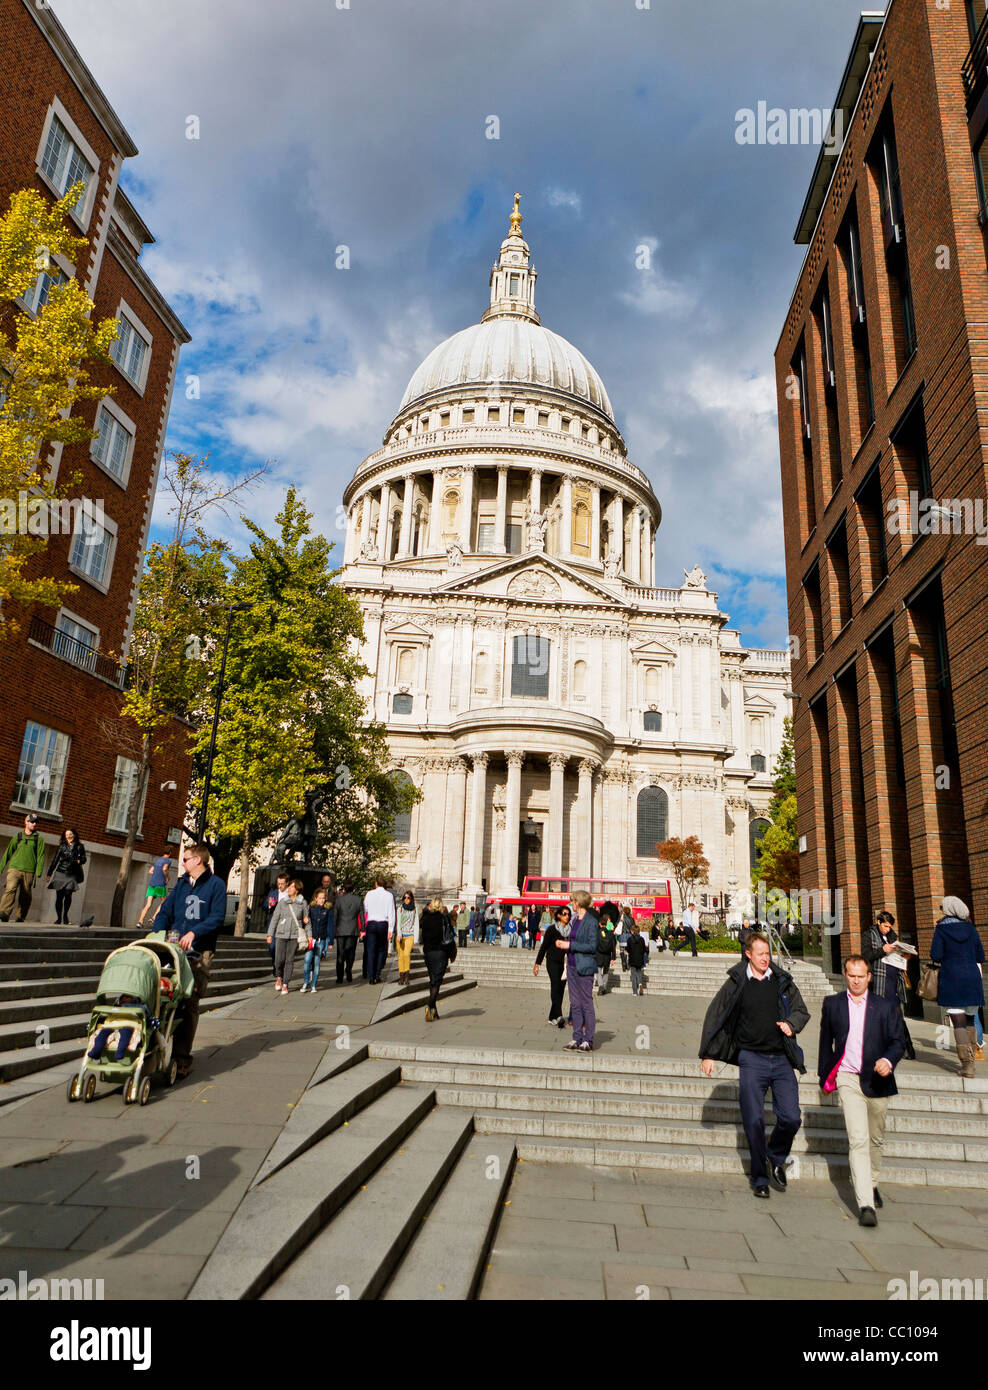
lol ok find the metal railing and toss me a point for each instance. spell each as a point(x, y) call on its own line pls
point(975, 70)
point(80, 654)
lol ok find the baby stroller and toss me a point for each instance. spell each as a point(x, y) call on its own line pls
point(141, 994)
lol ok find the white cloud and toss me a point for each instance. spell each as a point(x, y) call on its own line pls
point(564, 198)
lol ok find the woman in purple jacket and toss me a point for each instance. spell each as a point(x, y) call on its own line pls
point(582, 945)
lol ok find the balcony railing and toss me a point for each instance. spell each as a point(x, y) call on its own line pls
point(975, 69)
point(78, 653)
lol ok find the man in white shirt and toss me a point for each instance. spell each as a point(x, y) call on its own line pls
point(862, 1039)
point(690, 923)
point(379, 909)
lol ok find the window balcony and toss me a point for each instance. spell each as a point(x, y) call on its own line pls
point(77, 653)
point(975, 69)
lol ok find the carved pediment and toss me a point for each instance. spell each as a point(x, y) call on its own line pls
point(652, 651)
point(533, 578)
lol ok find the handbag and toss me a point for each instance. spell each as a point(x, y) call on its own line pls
point(929, 982)
point(449, 941)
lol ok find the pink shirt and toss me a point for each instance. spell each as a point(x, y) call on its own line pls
point(856, 1010)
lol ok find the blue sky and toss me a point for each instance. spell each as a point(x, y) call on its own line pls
point(367, 126)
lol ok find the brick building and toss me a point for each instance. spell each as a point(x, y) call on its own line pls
point(883, 412)
point(64, 671)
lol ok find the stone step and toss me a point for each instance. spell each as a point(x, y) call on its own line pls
point(360, 1247)
point(692, 1150)
point(507, 1093)
point(446, 1259)
point(278, 1218)
point(68, 970)
point(403, 1001)
point(43, 1007)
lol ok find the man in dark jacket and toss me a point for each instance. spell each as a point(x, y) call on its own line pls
point(196, 907)
point(862, 1037)
point(751, 1024)
point(349, 921)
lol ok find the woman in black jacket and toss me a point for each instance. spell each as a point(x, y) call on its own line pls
point(557, 930)
point(66, 873)
point(887, 982)
point(432, 929)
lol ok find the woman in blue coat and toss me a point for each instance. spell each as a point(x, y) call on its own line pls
point(958, 950)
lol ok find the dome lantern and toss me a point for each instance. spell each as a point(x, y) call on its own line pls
point(512, 280)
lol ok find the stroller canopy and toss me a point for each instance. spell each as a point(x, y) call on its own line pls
point(170, 954)
point(132, 970)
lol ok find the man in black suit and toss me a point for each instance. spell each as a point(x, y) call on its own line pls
point(861, 1041)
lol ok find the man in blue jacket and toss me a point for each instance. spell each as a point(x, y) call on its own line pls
point(862, 1038)
point(195, 907)
point(581, 965)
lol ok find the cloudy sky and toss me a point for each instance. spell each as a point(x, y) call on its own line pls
point(367, 126)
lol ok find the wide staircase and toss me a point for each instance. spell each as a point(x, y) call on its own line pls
point(48, 980)
point(390, 1176)
point(665, 974)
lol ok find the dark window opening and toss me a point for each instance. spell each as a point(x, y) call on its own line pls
point(653, 721)
point(872, 547)
point(840, 589)
point(653, 820)
point(814, 615)
point(530, 667)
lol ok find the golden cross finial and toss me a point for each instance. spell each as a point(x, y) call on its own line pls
point(516, 217)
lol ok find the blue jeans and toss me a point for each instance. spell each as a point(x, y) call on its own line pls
point(313, 960)
point(491, 933)
point(758, 1072)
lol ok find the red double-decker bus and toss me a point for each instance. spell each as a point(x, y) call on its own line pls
point(644, 896)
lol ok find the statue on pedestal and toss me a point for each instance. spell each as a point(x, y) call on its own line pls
point(537, 524)
point(300, 834)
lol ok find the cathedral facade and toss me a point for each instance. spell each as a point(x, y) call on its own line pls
point(560, 714)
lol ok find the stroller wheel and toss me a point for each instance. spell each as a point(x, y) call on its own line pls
point(73, 1091)
point(144, 1094)
point(128, 1091)
point(89, 1089)
point(171, 1073)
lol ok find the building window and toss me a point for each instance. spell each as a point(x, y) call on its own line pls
point(981, 177)
point(468, 414)
point(758, 762)
point(485, 537)
point(530, 667)
point(41, 769)
point(64, 164)
point(872, 548)
point(75, 641)
point(840, 572)
point(443, 418)
point(91, 554)
point(518, 416)
point(512, 538)
point(512, 284)
point(814, 615)
point(37, 296)
point(401, 826)
point(544, 419)
point(124, 783)
point(130, 348)
point(401, 704)
point(493, 414)
point(111, 447)
point(653, 821)
point(653, 721)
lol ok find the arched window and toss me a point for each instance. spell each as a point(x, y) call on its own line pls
point(651, 685)
point(416, 530)
point(653, 721)
point(481, 672)
point(756, 831)
point(401, 704)
point(406, 666)
point(401, 826)
point(580, 680)
point(395, 534)
point(581, 529)
point(530, 667)
point(653, 820)
point(450, 514)
point(758, 762)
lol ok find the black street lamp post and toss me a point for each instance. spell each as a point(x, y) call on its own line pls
point(231, 609)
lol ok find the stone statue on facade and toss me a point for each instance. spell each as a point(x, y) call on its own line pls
point(695, 578)
point(300, 834)
point(612, 562)
point(368, 551)
point(537, 525)
point(454, 556)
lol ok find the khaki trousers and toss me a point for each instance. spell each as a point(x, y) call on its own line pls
point(17, 892)
point(864, 1117)
point(405, 954)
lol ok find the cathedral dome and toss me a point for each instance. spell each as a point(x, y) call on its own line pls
point(508, 350)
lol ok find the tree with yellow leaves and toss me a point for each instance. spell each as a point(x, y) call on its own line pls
point(43, 376)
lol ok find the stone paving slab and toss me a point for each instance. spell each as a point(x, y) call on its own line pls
point(132, 1278)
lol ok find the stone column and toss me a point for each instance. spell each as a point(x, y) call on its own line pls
point(406, 516)
point(648, 576)
point(456, 805)
point(597, 836)
point(554, 846)
point(595, 525)
point(350, 540)
point(535, 491)
point(383, 517)
point(466, 512)
point(478, 817)
point(587, 768)
point(566, 532)
point(434, 511)
point(501, 513)
point(617, 528)
point(365, 519)
point(636, 544)
point(512, 822)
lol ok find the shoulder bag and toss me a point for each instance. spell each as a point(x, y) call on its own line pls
point(929, 982)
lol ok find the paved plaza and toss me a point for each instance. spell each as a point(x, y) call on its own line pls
point(92, 1190)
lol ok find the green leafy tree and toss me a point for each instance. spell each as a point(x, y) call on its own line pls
point(177, 622)
point(44, 375)
point(688, 862)
point(777, 863)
